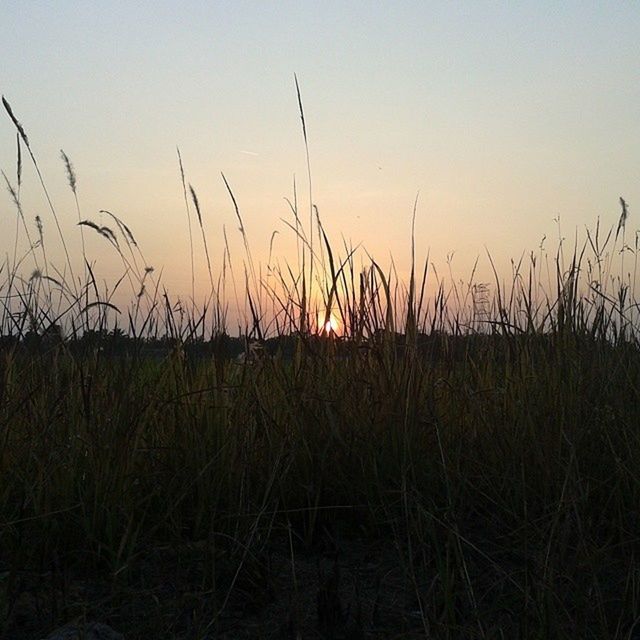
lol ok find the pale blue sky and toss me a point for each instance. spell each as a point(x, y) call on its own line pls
point(502, 115)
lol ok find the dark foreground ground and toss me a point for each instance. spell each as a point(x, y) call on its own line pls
point(363, 593)
point(352, 590)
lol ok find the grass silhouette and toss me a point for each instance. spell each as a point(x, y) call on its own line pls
point(461, 464)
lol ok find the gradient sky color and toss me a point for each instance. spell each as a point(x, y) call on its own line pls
point(502, 115)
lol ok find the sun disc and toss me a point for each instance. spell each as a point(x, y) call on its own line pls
point(329, 326)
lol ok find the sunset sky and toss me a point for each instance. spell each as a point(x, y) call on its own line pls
point(503, 116)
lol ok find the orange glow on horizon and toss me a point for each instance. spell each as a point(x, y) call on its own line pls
point(330, 326)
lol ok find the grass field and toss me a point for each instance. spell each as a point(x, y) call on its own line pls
point(443, 462)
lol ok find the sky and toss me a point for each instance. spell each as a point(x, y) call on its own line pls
point(504, 117)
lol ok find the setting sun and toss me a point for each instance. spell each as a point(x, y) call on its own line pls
point(328, 326)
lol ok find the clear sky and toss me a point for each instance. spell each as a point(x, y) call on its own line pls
point(502, 115)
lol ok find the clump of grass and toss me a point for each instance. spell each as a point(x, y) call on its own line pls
point(480, 437)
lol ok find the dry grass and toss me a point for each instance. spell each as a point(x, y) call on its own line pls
point(461, 464)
